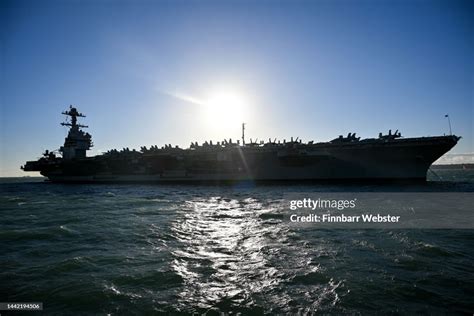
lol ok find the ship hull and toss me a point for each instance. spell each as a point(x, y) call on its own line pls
point(394, 160)
point(226, 180)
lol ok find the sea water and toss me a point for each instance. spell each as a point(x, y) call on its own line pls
point(134, 249)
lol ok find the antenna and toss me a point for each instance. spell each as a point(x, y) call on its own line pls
point(243, 133)
point(449, 122)
point(74, 114)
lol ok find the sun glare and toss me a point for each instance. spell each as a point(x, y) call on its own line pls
point(224, 108)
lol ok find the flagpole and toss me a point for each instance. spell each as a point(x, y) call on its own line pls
point(449, 122)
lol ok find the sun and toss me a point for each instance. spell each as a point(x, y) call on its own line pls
point(225, 108)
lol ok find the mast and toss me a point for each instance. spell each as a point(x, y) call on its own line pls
point(243, 133)
point(74, 114)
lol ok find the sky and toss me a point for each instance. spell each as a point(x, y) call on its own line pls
point(159, 72)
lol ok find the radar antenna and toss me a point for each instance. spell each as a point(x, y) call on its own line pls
point(74, 114)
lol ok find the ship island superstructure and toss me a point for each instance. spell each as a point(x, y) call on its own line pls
point(388, 157)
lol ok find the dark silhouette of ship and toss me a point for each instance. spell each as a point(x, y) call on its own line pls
point(388, 157)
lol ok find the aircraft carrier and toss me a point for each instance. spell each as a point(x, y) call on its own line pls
point(388, 157)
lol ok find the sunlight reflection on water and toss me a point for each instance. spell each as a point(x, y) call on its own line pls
point(230, 255)
point(222, 254)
